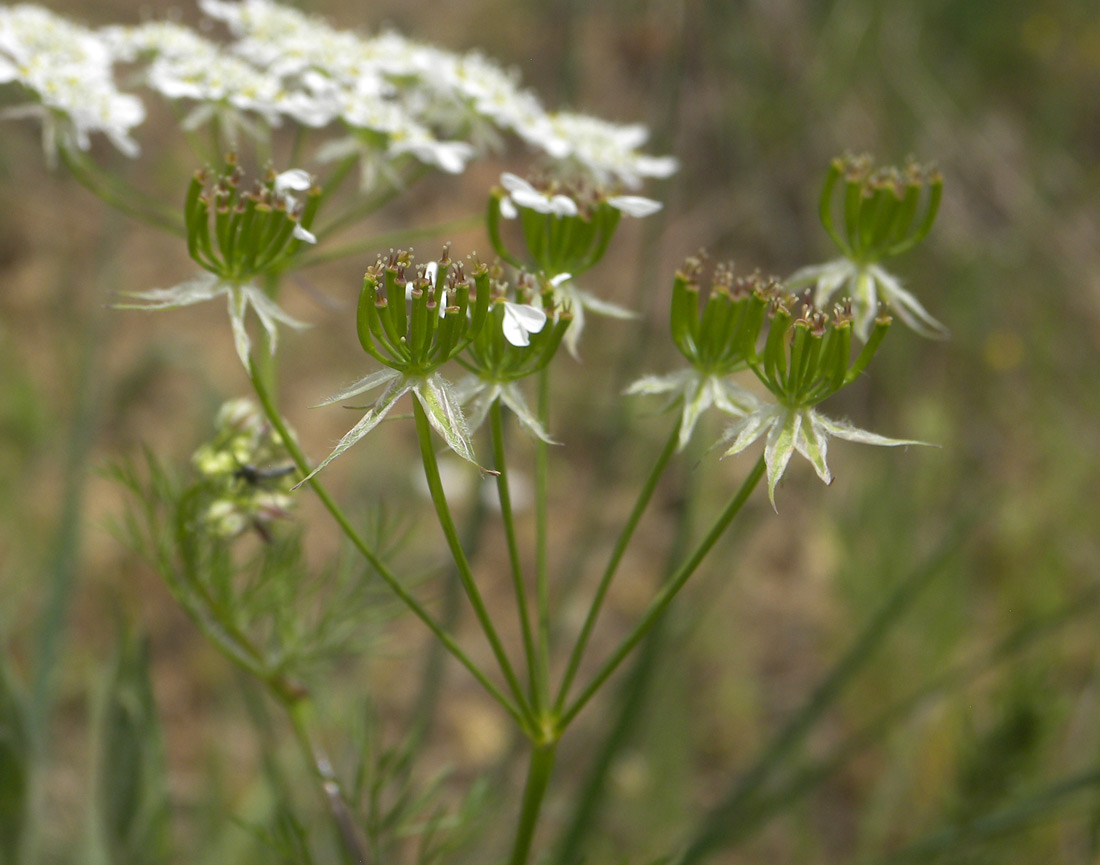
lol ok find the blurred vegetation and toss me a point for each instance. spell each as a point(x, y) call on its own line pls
point(969, 731)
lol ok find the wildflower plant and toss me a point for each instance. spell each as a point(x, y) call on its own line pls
point(226, 539)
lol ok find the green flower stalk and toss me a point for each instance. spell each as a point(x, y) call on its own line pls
point(239, 237)
point(885, 212)
point(713, 341)
point(413, 319)
point(804, 361)
point(519, 339)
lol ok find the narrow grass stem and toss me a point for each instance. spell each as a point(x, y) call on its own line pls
point(443, 512)
point(542, 551)
point(665, 597)
point(375, 561)
point(496, 423)
point(300, 712)
point(644, 496)
point(538, 777)
point(737, 805)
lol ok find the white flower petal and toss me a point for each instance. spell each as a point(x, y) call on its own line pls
point(520, 321)
point(635, 205)
point(304, 234)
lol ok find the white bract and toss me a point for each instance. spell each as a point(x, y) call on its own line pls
point(240, 296)
point(576, 300)
point(867, 285)
point(434, 393)
point(479, 395)
point(696, 392)
point(797, 429)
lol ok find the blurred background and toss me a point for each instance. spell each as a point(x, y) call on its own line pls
point(986, 688)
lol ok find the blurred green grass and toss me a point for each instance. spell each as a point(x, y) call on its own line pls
point(754, 99)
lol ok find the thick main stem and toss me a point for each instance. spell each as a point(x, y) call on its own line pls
point(665, 597)
point(538, 777)
point(446, 522)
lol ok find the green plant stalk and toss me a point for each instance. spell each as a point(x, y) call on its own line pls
point(372, 203)
point(542, 550)
point(665, 597)
point(538, 777)
point(383, 241)
point(123, 199)
point(644, 496)
point(496, 422)
point(372, 558)
point(443, 512)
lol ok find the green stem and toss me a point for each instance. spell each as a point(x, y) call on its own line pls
point(497, 424)
point(124, 199)
point(443, 511)
point(390, 238)
point(621, 544)
point(538, 777)
point(542, 567)
point(373, 559)
point(660, 603)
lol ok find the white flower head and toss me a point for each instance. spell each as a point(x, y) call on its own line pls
point(797, 429)
point(68, 70)
point(608, 152)
point(240, 296)
point(867, 285)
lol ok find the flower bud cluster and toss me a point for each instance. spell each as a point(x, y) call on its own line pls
point(252, 231)
point(717, 339)
point(807, 359)
point(522, 335)
point(886, 210)
point(566, 226)
point(414, 318)
point(246, 472)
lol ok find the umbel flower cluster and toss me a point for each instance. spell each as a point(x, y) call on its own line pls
point(253, 233)
point(390, 99)
point(749, 323)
